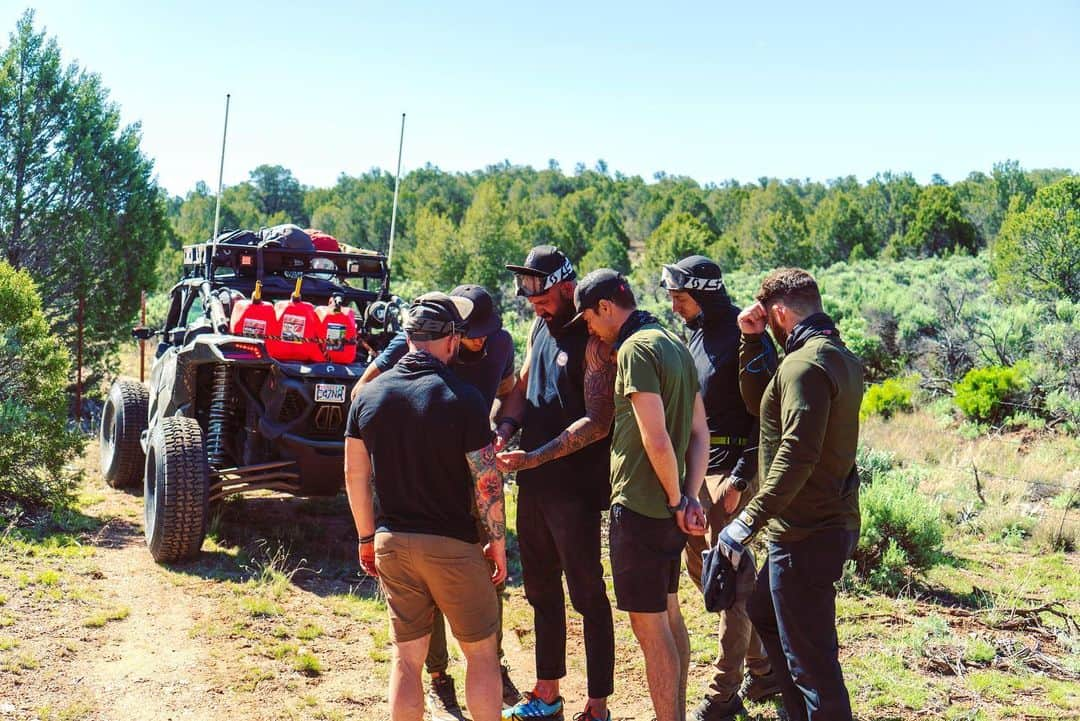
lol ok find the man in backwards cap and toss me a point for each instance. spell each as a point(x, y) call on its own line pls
point(698, 296)
point(426, 436)
point(659, 451)
point(485, 361)
point(562, 403)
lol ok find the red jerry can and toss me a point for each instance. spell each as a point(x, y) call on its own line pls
point(254, 318)
point(338, 331)
point(298, 339)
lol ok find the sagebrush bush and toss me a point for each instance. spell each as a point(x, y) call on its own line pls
point(900, 527)
point(35, 439)
point(872, 463)
point(982, 394)
point(887, 398)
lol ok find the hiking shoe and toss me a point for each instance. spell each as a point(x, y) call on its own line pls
point(713, 708)
point(533, 707)
point(441, 700)
point(759, 688)
point(510, 693)
point(586, 715)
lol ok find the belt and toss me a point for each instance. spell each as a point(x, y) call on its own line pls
point(727, 441)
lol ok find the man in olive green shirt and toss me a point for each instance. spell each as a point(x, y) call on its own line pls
point(809, 496)
point(659, 452)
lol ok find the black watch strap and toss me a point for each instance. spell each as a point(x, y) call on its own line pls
point(681, 507)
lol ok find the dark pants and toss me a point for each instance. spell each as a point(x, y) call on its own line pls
point(561, 535)
point(794, 611)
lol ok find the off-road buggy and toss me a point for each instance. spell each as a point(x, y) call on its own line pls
point(220, 415)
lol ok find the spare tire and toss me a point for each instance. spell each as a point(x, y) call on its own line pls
point(176, 490)
point(123, 419)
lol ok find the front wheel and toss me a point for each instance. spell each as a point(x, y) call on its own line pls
point(123, 420)
point(176, 490)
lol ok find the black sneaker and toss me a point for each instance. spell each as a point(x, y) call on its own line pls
point(441, 700)
point(715, 709)
point(510, 693)
point(759, 688)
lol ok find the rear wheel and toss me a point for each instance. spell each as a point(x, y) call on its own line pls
point(123, 420)
point(176, 490)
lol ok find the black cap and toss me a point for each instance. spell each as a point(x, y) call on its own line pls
point(436, 315)
point(543, 261)
point(601, 284)
point(484, 320)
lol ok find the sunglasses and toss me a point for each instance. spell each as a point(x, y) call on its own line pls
point(534, 285)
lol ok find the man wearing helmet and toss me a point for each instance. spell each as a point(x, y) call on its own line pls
point(696, 287)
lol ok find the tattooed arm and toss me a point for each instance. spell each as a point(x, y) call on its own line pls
point(594, 425)
point(490, 505)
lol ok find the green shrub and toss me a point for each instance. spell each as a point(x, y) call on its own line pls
point(886, 398)
point(36, 440)
point(900, 528)
point(982, 393)
point(873, 463)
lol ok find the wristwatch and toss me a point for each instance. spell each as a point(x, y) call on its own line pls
point(681, 507)
point(739, 484)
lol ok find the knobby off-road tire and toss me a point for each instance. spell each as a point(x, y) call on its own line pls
point(176, 490)
point(122, 422)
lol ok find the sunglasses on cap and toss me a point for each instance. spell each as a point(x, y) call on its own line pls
point(673, 277)
point(534, 285)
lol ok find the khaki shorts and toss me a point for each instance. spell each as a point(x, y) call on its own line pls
point(419, 572)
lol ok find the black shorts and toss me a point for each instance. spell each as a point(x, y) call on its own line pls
point(646, 558)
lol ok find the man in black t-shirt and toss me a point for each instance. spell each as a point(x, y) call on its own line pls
point(425, 435)
point(485, 361)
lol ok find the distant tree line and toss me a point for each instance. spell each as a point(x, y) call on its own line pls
point(455, 226)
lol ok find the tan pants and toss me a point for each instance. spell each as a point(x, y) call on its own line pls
point(737, 638)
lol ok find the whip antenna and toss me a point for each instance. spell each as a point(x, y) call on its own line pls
point(221, 174)
point(397, 185)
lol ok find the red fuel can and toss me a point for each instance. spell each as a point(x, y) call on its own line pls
point(299, 330)
point(338, 331)
point(254, 318)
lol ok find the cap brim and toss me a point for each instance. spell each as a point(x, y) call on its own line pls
point(525, 270)
point(580, 317)
point(464, 306)
point(484, 329)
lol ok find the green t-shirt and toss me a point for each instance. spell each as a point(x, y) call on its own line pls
point(652, 360)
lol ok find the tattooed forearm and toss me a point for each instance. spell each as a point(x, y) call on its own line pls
point(599, 408)
point(489, 491)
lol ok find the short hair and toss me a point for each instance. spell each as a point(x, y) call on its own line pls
point(794, 287)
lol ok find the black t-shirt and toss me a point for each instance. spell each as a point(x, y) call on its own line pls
point(484, 370)
point(418, 421)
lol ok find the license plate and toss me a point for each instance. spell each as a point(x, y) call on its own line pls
point(329, 393)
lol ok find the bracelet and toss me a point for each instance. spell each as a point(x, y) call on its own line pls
point(367, 539)
point(514, 425)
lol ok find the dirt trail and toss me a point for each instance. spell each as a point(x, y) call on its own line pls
point(149, 666)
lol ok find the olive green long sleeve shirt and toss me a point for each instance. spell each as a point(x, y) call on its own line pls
point(809, 412)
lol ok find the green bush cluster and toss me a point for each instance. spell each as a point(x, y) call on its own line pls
point(36, 440)
point(982, 394)
point(893, 395)
point(901, 529)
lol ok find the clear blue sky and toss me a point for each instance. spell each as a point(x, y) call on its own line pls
point(712, 90)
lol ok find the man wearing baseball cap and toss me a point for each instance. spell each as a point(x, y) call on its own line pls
point(696, 287)
point(485, 361)
point(659, 453)
point(425, 435)
point(562, 403)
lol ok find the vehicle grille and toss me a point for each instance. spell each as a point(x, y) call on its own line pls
point(292, 407)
